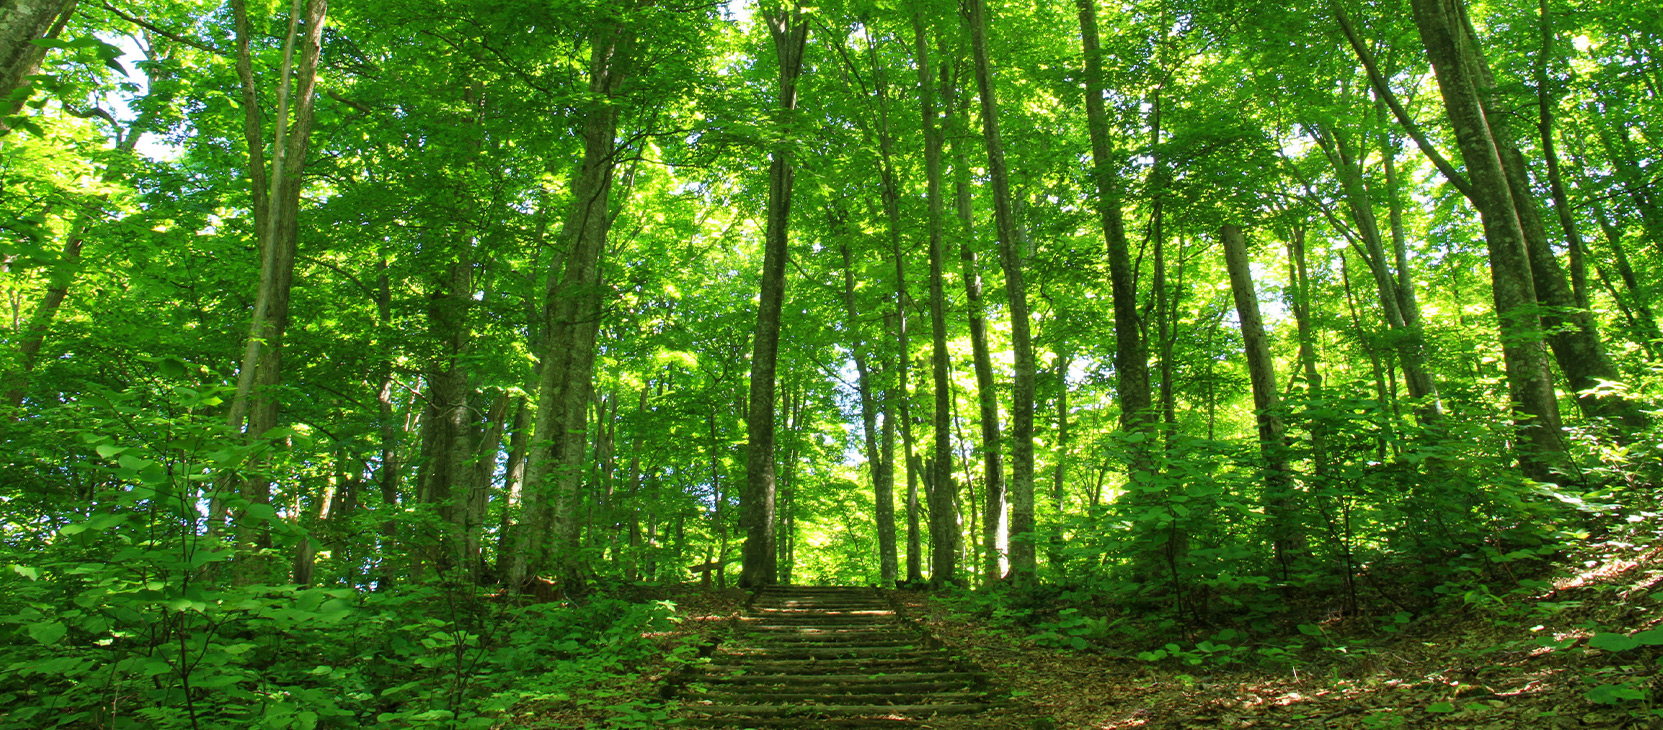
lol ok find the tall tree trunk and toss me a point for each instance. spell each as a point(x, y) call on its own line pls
point(1299, 279)
point(1530, 384)
point(479, 485)
point(1572, 332)
point(513, 481)
point(943, 525)
point(879, 461)
point(888, 567)
point(1639, 297)
point(277, 221)
point(445, 479)
point(1059, 473)
point(572, 314)
point(632, 564)
point(1348, 167)
point(987, 392)
point(1131, 354)
point(1023, 560)
point(789, 30)
point(1580, 353)
point(1280, 510)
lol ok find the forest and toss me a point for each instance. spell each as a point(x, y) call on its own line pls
point(1178, 363)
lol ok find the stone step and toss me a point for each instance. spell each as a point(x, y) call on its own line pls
point(826, 657)
point(843, 698)
point(811, 642)
point(847, 680)
point(832, 666)
point(873, 723)
point(771, 653)
point(915, 711)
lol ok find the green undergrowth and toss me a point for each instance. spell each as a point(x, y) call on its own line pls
point(1577, 630)
point(93, 645)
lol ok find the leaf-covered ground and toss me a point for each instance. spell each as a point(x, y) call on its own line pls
point(1573, 654)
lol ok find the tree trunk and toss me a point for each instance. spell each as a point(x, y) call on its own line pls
point(1530, 384)
point(21, 23)
point(1131, 354)
point(572, 314)
point(1348, 167)
point(1299, 280)
point(1639, 297)
point(1280, 511)
point(943, 526)
point(1580, 353)
point(277, 222)
point(789, 29)
point(879, 461)
point(445, 480)
point(1023, 561)
point(987, 393)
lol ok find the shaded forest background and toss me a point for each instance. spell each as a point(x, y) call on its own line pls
point(388, 364)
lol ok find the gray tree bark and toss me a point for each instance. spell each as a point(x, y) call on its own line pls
point(277, 222)
point(548, 537)
point(944, 529)
point(789, 30)
point(1530, 384)
point(1022, 549)
point(1279, 500)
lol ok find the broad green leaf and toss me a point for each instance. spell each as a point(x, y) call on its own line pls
point(47, 632)
point(1613, 642)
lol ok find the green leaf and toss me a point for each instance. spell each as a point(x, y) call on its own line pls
point(1310, 629)
point(1441, 707)
point(1613, 642)
point(47, 632)
point(1653, 637)
point(1611, 694)
point(169, 367)
point(109, 450)
point(26, 571)
point(261, 511)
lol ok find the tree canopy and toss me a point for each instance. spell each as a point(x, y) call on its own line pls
point(390, 319)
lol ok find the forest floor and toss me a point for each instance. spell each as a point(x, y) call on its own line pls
point(1561, 651)
point(1522, 660)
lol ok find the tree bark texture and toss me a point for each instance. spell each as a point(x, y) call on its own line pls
point(1280, 510)
point(1023, 558)
point(21, 23)
point(944, 529)
point(1530, 384)
point(277, 224)
point(878, 461)
point(1131, 354)
point(548, 537)
point(789, 30)
point(987, 393)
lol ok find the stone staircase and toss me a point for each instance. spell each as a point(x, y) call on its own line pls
point(827, 658)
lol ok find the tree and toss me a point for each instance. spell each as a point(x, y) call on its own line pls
point(788, 26)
